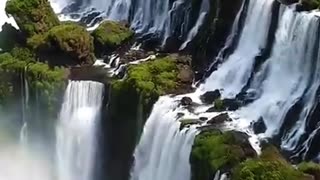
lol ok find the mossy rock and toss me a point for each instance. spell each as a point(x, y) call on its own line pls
point(269, 166)
point(70, 41)
point(32, 16)
point(151, 79)
point(109, 36)
point(310, 4)
point(310, 168)
point(214, 150)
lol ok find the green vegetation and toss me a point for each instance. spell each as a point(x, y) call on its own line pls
point(69, 39)
point(32, 16)
point(219, 105)
point(269, 166)
point(213, 150)
point(311, 4)
point(110, 35)
point(310, 168)
point(151, 79)
point(47, 81)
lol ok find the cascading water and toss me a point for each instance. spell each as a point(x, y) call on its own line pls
point(76, 130)
point(284, 77)
point(163, 150)
point(205, 7)
point(230, 77)
point(25, 107)
point(159, 18)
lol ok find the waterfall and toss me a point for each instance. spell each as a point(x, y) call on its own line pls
point(229, 76)
point(159, 19)
point(76, 130)
point(25, 106)
point(163, 151)
point(205, 7)
point(284, 77)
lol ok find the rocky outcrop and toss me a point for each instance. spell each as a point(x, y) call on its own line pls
point(270, 165)
point(210, 96)
point(221, 118)
point(32, 16)
point(9, 38)
point(109, 36)
point(259, 126)
point(214, 150)
point(65, 44)
point(212, 35)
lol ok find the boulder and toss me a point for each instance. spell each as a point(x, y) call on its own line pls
point(221, 118)
point(109, 36)
point(259, 126)
point(214, 150)
point(310, 168)
point(232, 104)
point(66, 44)
point(186, 101)
point(203, 118)
point(188, 122)
point(210, 96)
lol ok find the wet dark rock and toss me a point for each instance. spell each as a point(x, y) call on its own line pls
point(221, 118)
point(172, 44)
point(210, 96)
point(73, 7)
point(259, 126)
point(134, 55)
point(231, 104)
point(186, 101)
point(211, 109)
point(188, 122)
point(288, 2)
point(203, 118)
point(180, 115)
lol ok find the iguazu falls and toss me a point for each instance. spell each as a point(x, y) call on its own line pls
point(159, 89)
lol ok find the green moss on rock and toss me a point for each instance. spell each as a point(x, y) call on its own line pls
point(68, 40)
point(214, 150)
point(47, 81)
point(269, 166)
point(310, 168)
point(310, 4)
point(32, 16)
point(151, 79)
point(110, 35)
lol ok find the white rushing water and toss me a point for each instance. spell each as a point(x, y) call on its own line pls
point(204, 9)
point(234, 73)
point(285, 76)
point(163, 151)
point(76, 130)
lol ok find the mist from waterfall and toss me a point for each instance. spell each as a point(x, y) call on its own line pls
point(76, 144)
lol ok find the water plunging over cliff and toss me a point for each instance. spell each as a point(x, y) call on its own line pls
point(163, 151)
point(235, 72)
point(76, 130)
